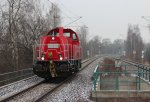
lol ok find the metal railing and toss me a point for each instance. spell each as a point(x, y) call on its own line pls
point(108, 77)
point(95, 76)
point(7, 78)
point(10, 77)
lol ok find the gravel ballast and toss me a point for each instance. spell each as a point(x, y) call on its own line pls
point(77, 90)
point(18, 86)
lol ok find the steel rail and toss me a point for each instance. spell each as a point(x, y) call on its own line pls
point(33, 86)
point(134, 63)
point(68, 79)
point(20, 92)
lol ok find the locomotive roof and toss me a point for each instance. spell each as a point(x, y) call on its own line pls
point(57, 29)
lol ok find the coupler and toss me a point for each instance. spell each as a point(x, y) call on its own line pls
point(52, 68)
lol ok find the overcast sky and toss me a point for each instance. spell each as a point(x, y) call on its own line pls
point(107, 18)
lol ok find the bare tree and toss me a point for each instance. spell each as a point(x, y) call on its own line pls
point(83, 40)
point(134, 43)
point(95, 46)
point(147, 52)
point(21, 23)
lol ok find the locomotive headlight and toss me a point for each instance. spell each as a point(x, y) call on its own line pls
point(43, 57)
point(53, 38)
point(60, 56)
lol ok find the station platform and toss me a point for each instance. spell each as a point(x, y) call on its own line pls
point(130, 84)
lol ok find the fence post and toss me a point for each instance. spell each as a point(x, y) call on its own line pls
point(96, 74)
point(143, 71)
point(125, 69)
point(139, 72)
point(146, 73)
point(137, 81)
point(95, 81)
point(111, 67)
point(149, 74)
point(117, 80)
point(94, 84)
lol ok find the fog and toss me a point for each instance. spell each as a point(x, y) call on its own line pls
point(106, 18)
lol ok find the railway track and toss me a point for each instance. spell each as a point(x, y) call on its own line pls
point(15, 88)
point(131, 62)
point(134, 63)
point(47, 87)
point(44, 95)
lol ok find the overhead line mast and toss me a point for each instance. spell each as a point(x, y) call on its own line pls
point(55, 15)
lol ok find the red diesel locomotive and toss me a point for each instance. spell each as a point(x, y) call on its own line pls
point(58, 53)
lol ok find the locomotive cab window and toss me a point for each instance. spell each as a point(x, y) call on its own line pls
point(66, 34)
point(54, 34)
point(74, 37)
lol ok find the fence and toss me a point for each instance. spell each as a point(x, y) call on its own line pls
point(95, 76)
point(10, 77)
point(126, 77)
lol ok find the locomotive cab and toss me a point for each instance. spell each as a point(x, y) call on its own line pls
point(57, 53)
